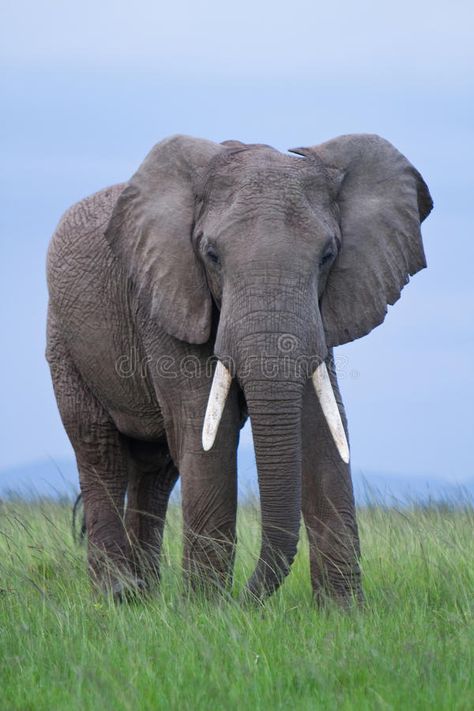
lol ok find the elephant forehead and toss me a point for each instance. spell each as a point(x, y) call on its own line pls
point(262, 171)
point(269, 190)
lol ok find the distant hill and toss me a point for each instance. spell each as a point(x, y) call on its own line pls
point(58, 478)
point(45, 477)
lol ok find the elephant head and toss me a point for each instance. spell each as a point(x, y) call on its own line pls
point(297, 253)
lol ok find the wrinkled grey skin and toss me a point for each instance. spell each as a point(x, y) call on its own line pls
point(259, 258)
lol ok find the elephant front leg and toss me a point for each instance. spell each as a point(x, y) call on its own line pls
point(328, 507)
point(209, 499)
point(209, 496)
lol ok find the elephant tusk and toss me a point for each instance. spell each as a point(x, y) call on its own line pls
point(215, 405)
point(325, 393)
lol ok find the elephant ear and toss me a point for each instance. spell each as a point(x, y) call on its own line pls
point(382, 199)
point(150, 232)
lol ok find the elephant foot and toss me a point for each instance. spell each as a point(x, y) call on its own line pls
point(346, 601)
point(124, 589)
point(128, 590)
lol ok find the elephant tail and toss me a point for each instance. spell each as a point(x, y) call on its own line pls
point(78, 535)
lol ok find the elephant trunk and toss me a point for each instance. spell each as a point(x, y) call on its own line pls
point(275, 414)
point(268, 336)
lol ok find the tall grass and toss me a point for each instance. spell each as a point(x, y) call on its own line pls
point(63, 647)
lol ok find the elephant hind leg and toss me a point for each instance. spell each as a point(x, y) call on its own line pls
point(152, 477)
point(103, 463)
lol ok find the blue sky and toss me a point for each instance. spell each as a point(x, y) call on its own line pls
point(88, 89)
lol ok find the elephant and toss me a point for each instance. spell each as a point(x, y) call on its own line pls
point(211, 287)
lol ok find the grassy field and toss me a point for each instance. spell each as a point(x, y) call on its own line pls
point(411, 648)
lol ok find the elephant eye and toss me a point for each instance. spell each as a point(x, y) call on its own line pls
point(326, 258)
point(212, 255)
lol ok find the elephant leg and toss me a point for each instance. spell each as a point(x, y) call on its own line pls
point(153, 476)
point(209, 495)
point(328, 506)
point(209, 500)
point(102, 459)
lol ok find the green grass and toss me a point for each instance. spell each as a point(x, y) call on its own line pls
point(61, 647)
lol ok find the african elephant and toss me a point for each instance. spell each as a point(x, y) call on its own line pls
point(211, 286)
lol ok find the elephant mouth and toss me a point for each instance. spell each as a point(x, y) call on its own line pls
point(322, 384)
